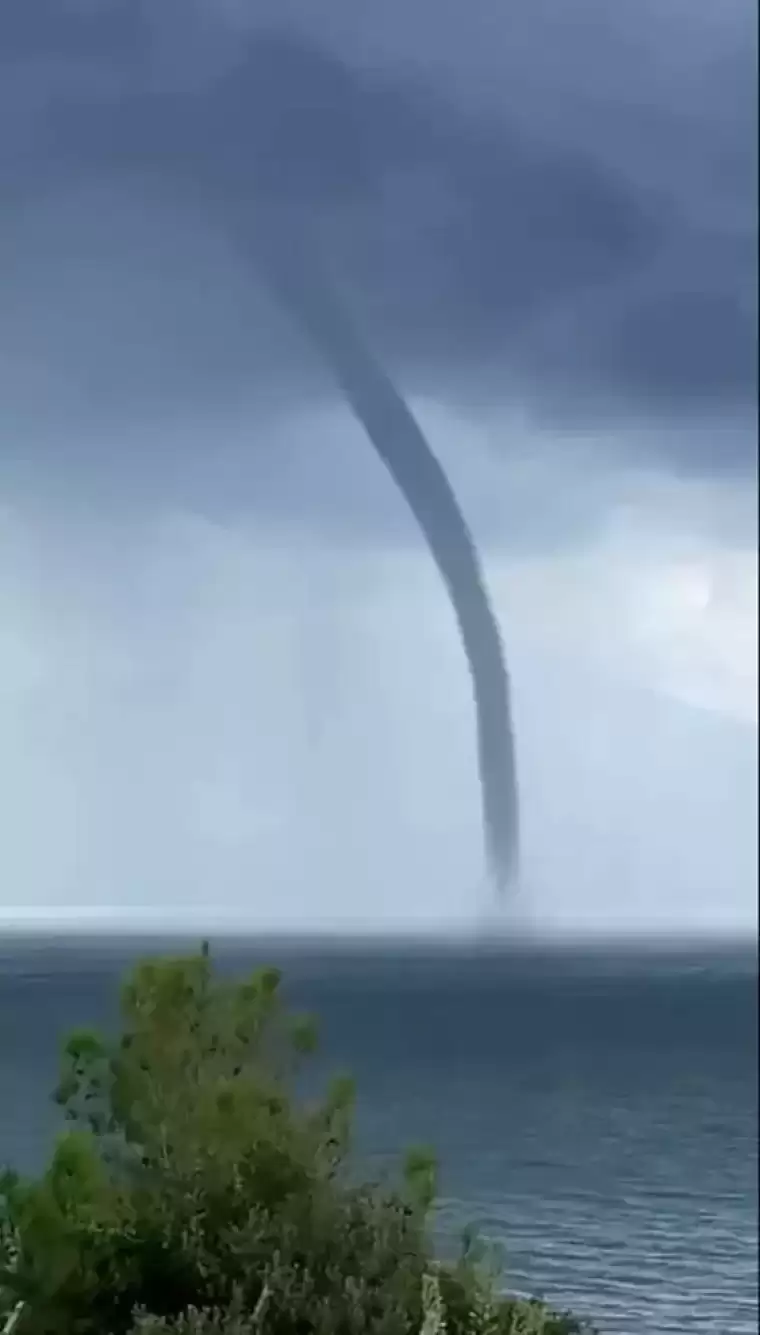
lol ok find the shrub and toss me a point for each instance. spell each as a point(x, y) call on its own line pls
point(192, 1193)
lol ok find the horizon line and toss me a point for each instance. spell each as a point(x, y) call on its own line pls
point(481, 934)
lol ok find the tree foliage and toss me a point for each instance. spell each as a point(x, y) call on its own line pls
point(193, 1193)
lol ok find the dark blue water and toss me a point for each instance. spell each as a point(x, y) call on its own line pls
point(596, 1114)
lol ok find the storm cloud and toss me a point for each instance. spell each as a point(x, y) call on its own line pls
point(583, 237)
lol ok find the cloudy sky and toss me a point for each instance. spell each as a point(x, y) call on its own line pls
point(231, 688)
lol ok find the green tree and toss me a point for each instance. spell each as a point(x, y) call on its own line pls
point(192, 1192)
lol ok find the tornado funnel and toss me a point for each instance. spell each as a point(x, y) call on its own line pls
point(301, 285)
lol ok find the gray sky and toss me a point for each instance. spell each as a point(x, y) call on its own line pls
point(228, 676)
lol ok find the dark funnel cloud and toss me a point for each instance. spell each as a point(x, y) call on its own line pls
point(398, 440)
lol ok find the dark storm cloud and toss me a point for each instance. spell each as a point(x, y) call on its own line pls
point(564, 208)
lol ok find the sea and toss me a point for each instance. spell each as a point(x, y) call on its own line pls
point(593, 1109)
